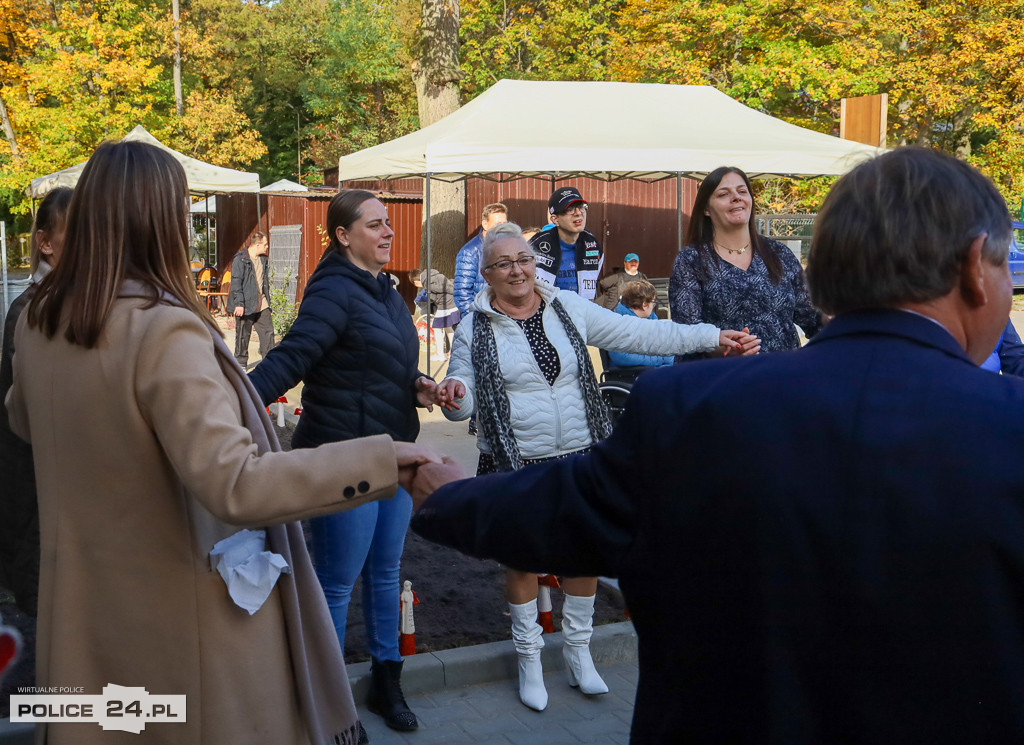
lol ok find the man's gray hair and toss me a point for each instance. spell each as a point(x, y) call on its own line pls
point(497, 233)
point(896, 230)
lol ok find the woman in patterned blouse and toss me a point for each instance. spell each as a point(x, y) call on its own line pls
point(731, 277)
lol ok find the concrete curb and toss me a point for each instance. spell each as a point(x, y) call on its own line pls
point(488, 663)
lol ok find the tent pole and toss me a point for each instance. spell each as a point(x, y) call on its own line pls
point(430, 260)
point(206, 207)
point(679, 212)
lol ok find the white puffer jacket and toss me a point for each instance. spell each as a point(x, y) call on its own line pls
point(549, 420)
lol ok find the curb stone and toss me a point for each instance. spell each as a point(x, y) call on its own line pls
point(487, 663)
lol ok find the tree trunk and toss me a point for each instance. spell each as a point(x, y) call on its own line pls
point(178, 102)
point(436, 75)
point(8, 129)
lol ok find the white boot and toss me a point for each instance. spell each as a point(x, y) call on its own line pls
point(527, 635)
point(577, 628)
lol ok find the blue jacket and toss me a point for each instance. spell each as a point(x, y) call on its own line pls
point(627, 359)
point(852, 575)
point(468, 279)
point(355, 346)
point(1008, 355)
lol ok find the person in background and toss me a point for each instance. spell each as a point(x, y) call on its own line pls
point(730, 276)
point(520, 362)
point(868, 591)
point(445, 314)
point(150, 448)
point(638, 299)
point(19, 506)
point(354, 346)
point(1008, 356)
point(609, 289)
point(250, 298)
point(468, 280)
point(568, 257)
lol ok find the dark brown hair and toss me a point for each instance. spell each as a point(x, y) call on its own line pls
point(126, 220)
point(701, 233)
point(50, 217)
point(896, 230)
point(342, 212)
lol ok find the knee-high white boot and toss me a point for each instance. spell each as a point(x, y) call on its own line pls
point(577, 628)
point(528, 640)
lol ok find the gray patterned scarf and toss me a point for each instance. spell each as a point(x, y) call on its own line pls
point(495, 417)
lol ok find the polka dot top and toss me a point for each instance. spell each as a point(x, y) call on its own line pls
point(543, 350)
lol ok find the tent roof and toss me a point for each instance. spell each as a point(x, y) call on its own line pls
point(204, 205)
point(203, 178)
point(284, 185)
point(604, 130)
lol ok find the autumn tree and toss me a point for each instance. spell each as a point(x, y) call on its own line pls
point(436, 74)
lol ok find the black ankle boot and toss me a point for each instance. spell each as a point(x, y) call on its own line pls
point(386, 697)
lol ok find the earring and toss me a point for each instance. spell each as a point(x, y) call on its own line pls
point(344, 244)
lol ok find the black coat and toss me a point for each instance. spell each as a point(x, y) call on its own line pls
point(354, 345)
point(19, 505)
point(819, 546)
point(244, 291)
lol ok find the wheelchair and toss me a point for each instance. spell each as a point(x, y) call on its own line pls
point(615, 385)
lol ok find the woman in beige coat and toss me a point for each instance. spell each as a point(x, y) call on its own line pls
point(150, 447)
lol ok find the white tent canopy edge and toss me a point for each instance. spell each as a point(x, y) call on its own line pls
point(604, 130)
point(203, 178)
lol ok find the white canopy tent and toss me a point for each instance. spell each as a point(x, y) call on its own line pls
point(203, 178)
point(284, 185)
point(521, 128)
point(204, 205)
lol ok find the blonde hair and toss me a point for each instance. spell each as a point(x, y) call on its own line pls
point(126, 220)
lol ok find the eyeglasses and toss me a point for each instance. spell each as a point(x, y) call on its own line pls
point(581, 208)
point(505, 265)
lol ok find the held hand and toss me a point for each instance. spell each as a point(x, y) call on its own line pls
point(239, 310)
point(448, 391)
point(411, 456)
point(431, 477)
point(727, 340)
point(427, 392)
point(749, 344)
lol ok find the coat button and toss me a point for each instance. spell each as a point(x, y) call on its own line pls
point(364, 486)
point(349, 492)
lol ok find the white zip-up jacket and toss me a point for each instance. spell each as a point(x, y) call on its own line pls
point(550, 420)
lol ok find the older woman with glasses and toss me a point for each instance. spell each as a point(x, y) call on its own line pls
point(520, 363)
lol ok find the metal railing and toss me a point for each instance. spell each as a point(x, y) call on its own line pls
point(793, 230)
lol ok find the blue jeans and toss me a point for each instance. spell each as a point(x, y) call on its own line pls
point(367, 540)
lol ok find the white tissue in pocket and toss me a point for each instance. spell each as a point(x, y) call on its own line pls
point(249, 571)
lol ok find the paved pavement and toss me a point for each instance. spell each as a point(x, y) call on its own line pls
point(470, 695)
point(492, 714)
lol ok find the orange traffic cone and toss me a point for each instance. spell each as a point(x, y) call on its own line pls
point(544, 584)
point(406, 626)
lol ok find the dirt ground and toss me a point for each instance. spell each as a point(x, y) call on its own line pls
point(461, 603)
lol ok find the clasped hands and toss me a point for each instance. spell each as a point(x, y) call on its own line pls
point(422, 470)
point(738, 343)
point(429, 393)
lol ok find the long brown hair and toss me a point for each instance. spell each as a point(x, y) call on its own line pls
point(701, 232)
point(126, 220)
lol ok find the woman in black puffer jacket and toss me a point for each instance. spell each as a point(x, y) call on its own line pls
point(355, 347)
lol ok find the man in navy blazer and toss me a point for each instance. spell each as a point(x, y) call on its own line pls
point(817, 546)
